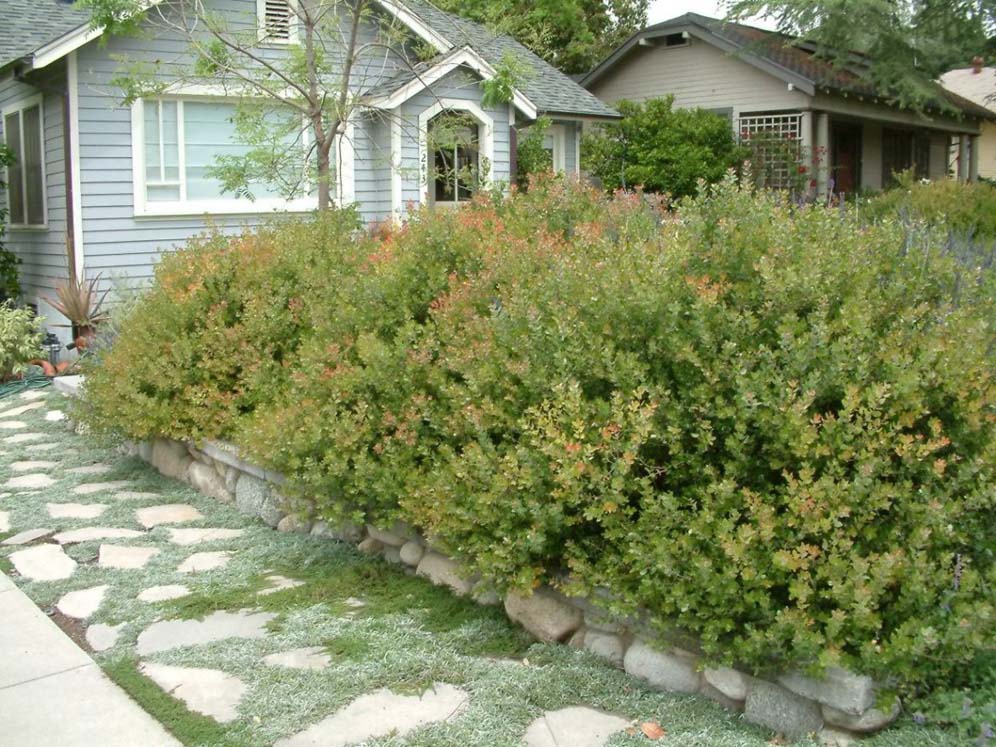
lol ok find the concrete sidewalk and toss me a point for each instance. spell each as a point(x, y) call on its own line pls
point(53, 695)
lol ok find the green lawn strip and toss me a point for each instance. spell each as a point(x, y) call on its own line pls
point(192, 729)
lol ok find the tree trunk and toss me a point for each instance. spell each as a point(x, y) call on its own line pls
point(324, 180)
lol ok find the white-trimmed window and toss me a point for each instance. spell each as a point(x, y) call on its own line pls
point(472, 154)
point(455, 140)
point(177, 143)
point(24, 134)
point(555, 143)
point(277, 21)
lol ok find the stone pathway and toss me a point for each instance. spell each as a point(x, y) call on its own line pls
point(194, 592)
point(381, 713)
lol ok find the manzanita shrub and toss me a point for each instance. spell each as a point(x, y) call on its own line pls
point(771, 426)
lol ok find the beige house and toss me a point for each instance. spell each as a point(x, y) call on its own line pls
point(978, 84)
point(845, 133)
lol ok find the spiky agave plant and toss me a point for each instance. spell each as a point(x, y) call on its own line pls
point(81, 303)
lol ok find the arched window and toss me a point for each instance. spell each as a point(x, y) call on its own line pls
point(454, 141)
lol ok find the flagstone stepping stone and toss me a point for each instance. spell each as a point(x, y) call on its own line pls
point(54, 416)
point(355, 603)
point(577, 727)
point(13, 412)
point(167, 634)
point(43, 563)
point(29, 482)
point(313, 657)
point(90, 488)
point(134, 495)
point(205, 561)
point(173, 513)
point(125, 557)
point(21, 438)
point(28, 535)
point(163, 593)
point(206, 691)
point(187, 536)
point(34, 394)
point(90, 469)
point(4, 521)
point(41, 447)
point(102, 637)
point(81, 604)
point(31, 466)
point(75, 510)
point(89, 534)
point(12, 425)
point(279, 583)
point(380, 713)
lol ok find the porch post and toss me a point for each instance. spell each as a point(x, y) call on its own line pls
point(806, 145)
point(963, 158)
point(821, 154)
point(973, 159)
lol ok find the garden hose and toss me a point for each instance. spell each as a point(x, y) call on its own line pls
point(26, 382)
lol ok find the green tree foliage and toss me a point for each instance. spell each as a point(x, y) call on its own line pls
point(293, 106)
point(573, 35)
point(662, 149)
point(907, 44)
point(768, 425)
point(20, 339)
point(532, 157)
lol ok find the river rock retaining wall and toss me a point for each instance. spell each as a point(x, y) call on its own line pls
point(839, 706)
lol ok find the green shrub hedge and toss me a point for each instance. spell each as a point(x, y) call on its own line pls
point(965, 209)
point(770, 426)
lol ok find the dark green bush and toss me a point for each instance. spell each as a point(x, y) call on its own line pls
point(662, 149)
point(770, 426)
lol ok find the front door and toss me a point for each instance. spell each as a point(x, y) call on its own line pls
point(845, 152)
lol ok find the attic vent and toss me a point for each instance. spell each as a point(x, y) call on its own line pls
point(676, 40)
point(275, 18)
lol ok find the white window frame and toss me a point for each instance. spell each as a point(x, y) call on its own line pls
point(144, 208)
point(18, 108)
point(486, 139)
point(559, 135)
point(262, 34)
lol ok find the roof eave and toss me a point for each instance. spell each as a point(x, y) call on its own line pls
point(686, 24)
point(463, 56)
point(582, 116)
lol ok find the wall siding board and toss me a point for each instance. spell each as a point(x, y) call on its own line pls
point(114, 238)
point(42, 251)
point(698, 75)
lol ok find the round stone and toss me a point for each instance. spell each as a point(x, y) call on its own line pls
point(122, 557)
point(75, 510)
point(81, 604)
point(174, 513)
point(204, 561)
point(163, 593)
point(43, 563)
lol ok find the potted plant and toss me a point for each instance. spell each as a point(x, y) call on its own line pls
point(82, 304)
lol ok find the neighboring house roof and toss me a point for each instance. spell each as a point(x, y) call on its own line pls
point(778, 54)
point(31, 24)
point(978, 87)
point(41, 31)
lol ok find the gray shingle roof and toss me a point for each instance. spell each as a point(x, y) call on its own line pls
point(785, 54)
point(26, 25)
point(549, 89)
point(30, 24)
